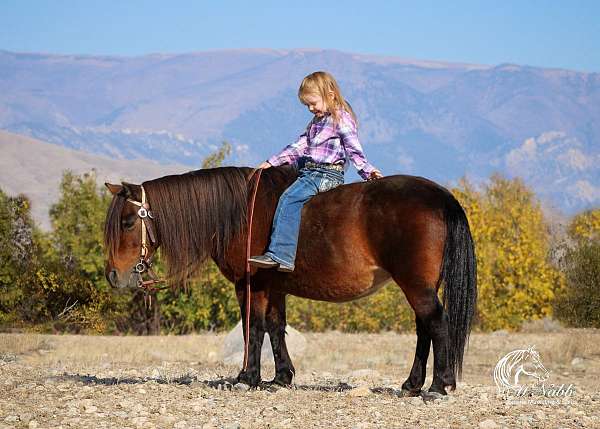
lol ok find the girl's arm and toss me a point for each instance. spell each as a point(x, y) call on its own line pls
point(349, 137)
point(291, 152)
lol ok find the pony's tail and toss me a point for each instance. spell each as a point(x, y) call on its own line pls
point(459, 276)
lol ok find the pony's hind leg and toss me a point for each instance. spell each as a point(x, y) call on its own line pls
point(275, 324)
point(432, 325)
point(413, 384)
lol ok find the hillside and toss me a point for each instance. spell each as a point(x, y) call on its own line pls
point(35, 168)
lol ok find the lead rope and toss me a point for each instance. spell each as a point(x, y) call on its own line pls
point(248, 243)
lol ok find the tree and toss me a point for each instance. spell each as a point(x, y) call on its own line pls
point(579, 303)
point(585, 226)
point(216, 159)
point(516, 281)
point(77, 222)
point(16, 253)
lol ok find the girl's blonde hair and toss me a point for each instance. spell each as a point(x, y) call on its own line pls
point(324, 84)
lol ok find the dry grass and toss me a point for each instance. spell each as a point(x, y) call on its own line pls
point(389, 354)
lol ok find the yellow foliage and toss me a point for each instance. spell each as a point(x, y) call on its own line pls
point(585, 226)
point(383, 311)
point(516, 281)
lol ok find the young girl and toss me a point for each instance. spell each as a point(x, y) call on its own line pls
point(319, 153)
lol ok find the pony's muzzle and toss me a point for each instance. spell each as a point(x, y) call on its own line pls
point(120, 282)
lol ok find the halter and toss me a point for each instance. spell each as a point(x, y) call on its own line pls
point(145, 263)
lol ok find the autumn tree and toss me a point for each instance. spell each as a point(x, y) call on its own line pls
point(579, 302)
point(516, 281)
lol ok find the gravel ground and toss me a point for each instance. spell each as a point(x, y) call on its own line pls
point(343, 380)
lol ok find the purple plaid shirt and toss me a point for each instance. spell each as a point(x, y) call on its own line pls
point(324, 142)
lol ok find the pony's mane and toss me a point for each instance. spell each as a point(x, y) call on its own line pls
point(196, 215)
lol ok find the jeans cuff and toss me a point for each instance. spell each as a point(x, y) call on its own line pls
point(279, 260)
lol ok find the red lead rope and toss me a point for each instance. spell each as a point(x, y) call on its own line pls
point(248, 243)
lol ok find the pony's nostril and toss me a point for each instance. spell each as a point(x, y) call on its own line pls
point(112, 277)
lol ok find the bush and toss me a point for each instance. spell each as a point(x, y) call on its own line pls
point(579, 303)
point(385, 310)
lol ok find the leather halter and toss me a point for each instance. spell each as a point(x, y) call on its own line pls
point(145, 263)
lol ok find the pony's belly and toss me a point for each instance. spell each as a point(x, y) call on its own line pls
point(342, 287)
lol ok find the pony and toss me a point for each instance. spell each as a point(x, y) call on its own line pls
point(353, 239)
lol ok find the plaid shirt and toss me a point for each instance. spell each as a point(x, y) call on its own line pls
point(324, 142)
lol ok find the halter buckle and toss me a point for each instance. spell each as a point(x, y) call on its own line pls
point(141, 267)
point(142, 212)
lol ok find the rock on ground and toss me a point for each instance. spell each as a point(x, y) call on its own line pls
point(232, 352)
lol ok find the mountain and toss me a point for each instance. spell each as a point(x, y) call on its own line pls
point(34, 168)
point(436, 119)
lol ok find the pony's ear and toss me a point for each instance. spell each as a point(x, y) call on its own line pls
point(129, 190)
point(114, 189)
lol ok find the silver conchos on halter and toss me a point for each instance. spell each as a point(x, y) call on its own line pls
point(145, 265)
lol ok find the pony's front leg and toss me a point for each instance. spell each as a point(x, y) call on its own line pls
point(251, 374)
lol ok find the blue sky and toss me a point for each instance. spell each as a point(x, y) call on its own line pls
point(552, 33)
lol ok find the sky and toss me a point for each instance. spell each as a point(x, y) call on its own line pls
point(550, 33)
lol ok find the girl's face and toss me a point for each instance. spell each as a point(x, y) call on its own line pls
point(315, 104)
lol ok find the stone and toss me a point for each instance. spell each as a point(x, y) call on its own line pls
point(241, 387)
point(488, 424)
point(90, 408)
point(577, 362)
point(139, 421)
point(415, 400)
point(360, 391)
point(232, 352)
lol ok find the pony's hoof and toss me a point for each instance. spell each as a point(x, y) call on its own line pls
point(269, 386)
point(408, 393)
point(251, 379)
point(283, 378)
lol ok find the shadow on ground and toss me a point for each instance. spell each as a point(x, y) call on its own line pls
point(227, 384)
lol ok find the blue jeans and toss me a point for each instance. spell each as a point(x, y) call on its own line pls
point(286, 225)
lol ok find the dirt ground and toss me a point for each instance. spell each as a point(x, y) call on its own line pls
point(343, 380)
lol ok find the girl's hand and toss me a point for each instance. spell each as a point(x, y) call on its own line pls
point(264, 165)
point(375, 174)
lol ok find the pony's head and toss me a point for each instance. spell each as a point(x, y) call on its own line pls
point(123, 236)
point(195, 216)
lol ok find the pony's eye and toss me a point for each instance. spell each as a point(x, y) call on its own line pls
point(128, 223)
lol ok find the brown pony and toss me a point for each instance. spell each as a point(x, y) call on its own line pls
point(353, 239)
